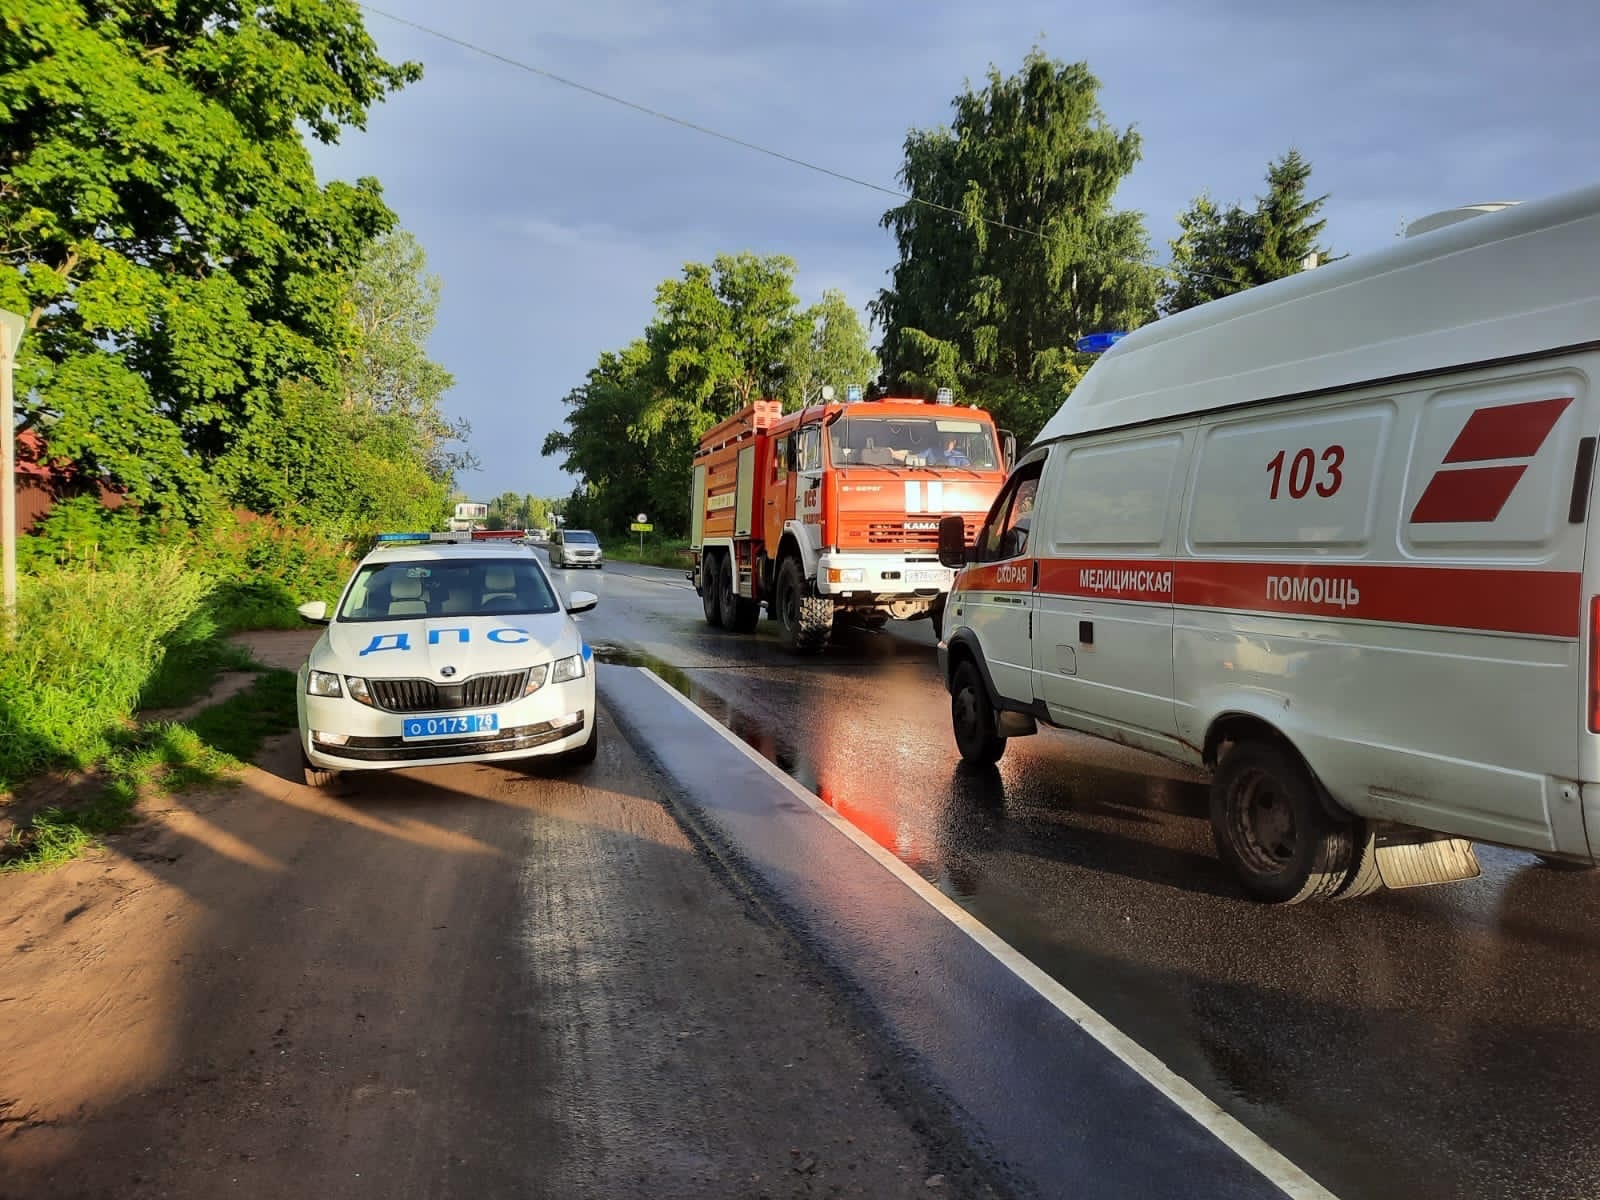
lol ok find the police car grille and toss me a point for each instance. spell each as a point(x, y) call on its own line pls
point(423, 695)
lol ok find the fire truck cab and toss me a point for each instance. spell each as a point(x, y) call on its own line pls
point(832, 513)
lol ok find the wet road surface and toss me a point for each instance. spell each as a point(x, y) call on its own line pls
point(1440, 1042)
point(463, 981)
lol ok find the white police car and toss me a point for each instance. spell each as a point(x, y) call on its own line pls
point(445, 650)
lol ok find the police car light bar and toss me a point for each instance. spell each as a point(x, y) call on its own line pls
point(404, 537)
point(1099, 343)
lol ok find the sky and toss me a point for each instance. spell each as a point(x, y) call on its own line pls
point(550, 215)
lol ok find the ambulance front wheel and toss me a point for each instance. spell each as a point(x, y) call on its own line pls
point(972, 718)
point(1272, 829)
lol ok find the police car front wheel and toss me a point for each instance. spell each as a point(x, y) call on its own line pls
point(315, 776)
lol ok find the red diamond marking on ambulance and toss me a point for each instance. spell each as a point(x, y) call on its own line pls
point(1478, 494)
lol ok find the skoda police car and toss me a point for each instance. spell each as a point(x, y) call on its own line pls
point(442, 650)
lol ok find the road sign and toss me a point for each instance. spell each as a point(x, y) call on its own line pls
point(641, 527)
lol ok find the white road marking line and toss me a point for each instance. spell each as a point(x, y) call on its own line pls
point(1272, 1165)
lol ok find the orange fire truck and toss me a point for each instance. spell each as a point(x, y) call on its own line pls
point(832, 513)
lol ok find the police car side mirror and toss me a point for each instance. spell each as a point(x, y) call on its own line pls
point(953, 542)
point(314, 611)
point(581, 602)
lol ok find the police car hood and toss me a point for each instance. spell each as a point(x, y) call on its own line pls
point(454, 648)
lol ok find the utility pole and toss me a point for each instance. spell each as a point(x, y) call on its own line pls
point(11, 327)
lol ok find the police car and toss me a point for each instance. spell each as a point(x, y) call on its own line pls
point(445, 649)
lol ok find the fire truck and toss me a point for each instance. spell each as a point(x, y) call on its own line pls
point(831, 514)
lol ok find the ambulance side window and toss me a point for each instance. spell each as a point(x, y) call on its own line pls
point(1007, 531)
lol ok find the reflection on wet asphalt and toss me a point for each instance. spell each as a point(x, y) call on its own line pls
point(1440, 1042)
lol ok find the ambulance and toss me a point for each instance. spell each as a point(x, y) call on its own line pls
point(1332, 539)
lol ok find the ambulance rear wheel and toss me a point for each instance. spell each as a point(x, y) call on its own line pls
point(1272, 830)
point(708, 589)
point(972, 718)
point(804, 621)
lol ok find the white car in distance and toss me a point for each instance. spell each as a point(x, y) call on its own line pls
point(446, 650)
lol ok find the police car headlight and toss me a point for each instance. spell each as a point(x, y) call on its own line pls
point(567, 668)
point(536, 678)
point(323, 683)
point(358, 689)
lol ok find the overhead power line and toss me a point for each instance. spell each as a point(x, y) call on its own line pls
point(743, 143)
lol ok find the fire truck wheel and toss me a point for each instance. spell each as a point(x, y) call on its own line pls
point(972, 718)
point(1272, 830)
point(708, 589)
point(804, 621)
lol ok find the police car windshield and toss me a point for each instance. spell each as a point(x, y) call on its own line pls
point(386, 591)
point(932, 441)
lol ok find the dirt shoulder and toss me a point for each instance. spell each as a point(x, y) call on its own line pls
point(447, 982)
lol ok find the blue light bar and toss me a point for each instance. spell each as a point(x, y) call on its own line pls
point(852, 393)
point(404, 537)
point(1099, 343)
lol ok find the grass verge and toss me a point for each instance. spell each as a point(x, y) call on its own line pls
point(656, 554)
point(211, 748)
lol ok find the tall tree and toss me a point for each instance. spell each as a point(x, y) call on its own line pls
point(719, 339)
point(1222, 250)
point(161, 224)
point(394, 301)
point(829, 346)
point(1011, 248)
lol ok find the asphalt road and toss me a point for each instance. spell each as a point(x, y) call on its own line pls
point(1439, 1042)
point(465, 981)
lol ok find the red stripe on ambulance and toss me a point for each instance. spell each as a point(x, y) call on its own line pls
point(1490, 600)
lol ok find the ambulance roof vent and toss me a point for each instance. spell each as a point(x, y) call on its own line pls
point(1450, 216)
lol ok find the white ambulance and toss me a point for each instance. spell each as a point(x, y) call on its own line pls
point(1332, 538)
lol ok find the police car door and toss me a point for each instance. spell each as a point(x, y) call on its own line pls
point(996, 598)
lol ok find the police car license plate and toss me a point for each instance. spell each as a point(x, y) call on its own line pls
point(417, 729)
point(926, 576)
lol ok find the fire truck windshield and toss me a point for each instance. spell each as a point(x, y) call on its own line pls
point(931, 441)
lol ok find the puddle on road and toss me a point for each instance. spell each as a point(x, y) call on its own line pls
point(743, 725)
point(938, 838)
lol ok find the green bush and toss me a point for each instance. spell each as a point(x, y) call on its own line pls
point(89, 639)
point(262, 568)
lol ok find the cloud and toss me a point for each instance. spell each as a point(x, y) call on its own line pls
point(552, 214)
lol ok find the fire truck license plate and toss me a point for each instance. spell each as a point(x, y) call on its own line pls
point(925, 576)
